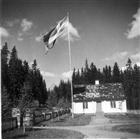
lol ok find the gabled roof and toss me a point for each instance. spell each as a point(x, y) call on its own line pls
point(105, 91)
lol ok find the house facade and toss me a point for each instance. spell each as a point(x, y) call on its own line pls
point(105, 98)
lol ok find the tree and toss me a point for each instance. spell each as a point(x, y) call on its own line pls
point(109, 74)
point(128, 84)
point(52, 99)
point(4, 66)
point(68, 91)
point(61, 103)
point(15, 66)
point(136, 86)
point(86, 72)
point(74, 76)
point(26, 98)
point(116, 73)
point(105, 74)
point(37, 83)
point(82, 76)
point(78, 81)
point(92, 73)
point(6, 104)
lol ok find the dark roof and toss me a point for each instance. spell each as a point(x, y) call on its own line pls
point(106, 91)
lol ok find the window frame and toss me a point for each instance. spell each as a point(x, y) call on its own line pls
point(113, 104)
point(85, 105)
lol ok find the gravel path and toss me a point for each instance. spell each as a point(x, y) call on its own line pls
point(99, 127)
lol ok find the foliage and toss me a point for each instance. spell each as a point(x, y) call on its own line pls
point(6, 105)
point(130, 78)
point(63, 103)
point(21, 85)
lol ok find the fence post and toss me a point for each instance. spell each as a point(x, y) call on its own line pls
point(58, 114)
point(33, 118)
point(51, 116)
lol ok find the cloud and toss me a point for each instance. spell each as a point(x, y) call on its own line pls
point(67, 74)
point(136, 56)
point(3, 32)
point(124, 68)
point(73, 32)
point(135, 27)
point(48, 74)
point(119, 55)
point(39, 38)
point(12, 23)
point(138, 64)
point(26, 25)
point(20, 39)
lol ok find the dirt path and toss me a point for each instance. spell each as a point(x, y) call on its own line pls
point(99, 127)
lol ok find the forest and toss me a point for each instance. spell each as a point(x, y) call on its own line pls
point(23, 86)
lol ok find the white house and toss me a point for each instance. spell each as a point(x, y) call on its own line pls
point(99, 98)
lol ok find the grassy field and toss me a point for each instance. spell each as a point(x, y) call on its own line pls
point(79, 120)
point(42, 134)
point(133, 128)
point(52, 133)
point(126, 118)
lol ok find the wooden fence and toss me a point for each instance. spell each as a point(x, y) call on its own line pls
point(9, 123)
point(50, 115)
point(12, 122)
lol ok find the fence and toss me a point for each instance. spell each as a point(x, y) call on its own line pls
point(12, 122)
point(133, 111)
point(9, 123)
point(50, 115)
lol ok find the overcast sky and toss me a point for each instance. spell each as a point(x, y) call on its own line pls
point(108, 31)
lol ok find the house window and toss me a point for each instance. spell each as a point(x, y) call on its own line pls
point(85, 105)
point(113, 104)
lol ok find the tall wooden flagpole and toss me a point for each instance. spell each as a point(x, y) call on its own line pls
point(70, 67)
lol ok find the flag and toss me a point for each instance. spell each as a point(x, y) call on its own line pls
point(51, 37)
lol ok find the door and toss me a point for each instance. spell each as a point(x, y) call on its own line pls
point(98, 106)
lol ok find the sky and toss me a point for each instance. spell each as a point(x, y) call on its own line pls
point(108, 32)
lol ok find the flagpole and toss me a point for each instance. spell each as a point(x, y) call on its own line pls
point(70, 68)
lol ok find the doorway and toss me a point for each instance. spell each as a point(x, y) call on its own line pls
point(98, 106)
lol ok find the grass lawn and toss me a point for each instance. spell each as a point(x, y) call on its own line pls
point(79, 120)
point(123, 118)
point(132, 128)
point(42, 134)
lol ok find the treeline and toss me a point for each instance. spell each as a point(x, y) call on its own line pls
point(130, 79)
point(89, 73)
point(60, 96)
point(24, 86)
point(21, 85)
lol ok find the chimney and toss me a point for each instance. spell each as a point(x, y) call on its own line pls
point(96, 82)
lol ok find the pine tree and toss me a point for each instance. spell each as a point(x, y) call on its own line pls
point(86, 72)
point(15, 66)
point(92, 73)
point(52, 98)
point(74, 77)
point(116, 73)
point(78, 81)
point(6, 104)
point(128, 84)
point(82, 76)
point(4, 66)
point(109, 74)
point(136, 87)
